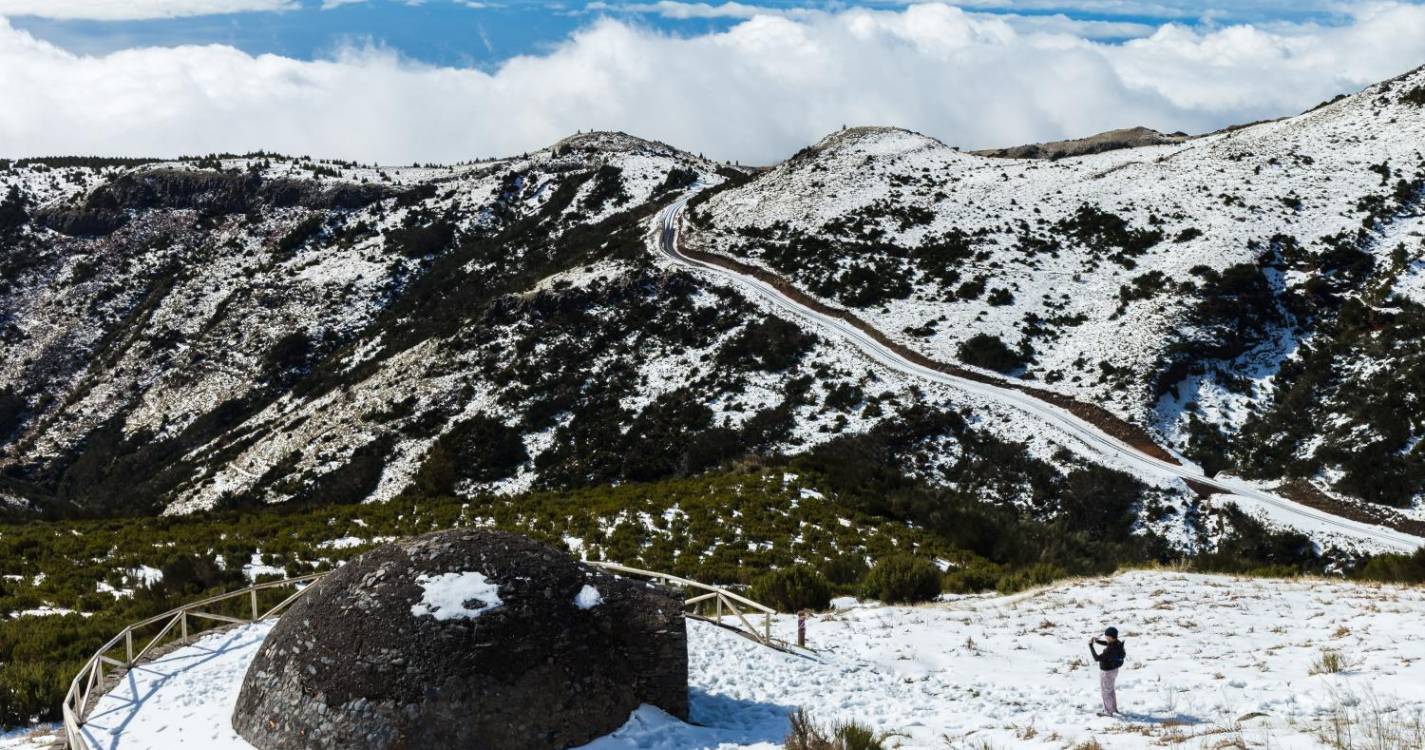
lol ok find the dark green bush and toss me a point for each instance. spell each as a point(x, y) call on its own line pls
point(792, 589)
point(984, 350)
point(902, 579)
point(972, 577)
point(305, 230)
point(1040, 574)
point(420, 241)
point(1395, 568)
point(846, 570)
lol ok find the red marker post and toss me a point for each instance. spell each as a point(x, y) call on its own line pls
point(802, 629)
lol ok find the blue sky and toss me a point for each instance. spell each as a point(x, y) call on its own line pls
point(450, 32)
point(397, 81)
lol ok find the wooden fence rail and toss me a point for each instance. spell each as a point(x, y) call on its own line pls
point(82, 689)
point(736, 605)
point(75, 708)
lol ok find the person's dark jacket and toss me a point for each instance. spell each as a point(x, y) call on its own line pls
point(1112, 656)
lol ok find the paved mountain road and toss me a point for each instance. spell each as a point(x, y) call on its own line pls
point(1278, 509)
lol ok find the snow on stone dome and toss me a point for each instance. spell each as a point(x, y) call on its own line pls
point(465, 638)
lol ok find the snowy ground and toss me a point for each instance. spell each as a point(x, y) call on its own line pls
point(184, 699)
point(1212, 661)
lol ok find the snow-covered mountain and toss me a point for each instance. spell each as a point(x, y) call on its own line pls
point(243, 330)
point(1252, 297)
point(229, 331)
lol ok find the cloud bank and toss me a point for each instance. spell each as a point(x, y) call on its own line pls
point(133, 10)
point(757, 92)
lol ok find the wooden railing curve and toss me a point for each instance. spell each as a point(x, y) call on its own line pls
point(82, 688)
point(75, 708)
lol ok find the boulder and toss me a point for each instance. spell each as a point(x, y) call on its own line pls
point(464, 639)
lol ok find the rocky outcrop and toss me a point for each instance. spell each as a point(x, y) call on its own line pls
point(1113, 140)
point(469, 639)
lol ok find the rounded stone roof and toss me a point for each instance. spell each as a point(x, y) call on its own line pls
point(464, 639)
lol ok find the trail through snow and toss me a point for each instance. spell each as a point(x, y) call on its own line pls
point(1319, 524)
point(184, 699)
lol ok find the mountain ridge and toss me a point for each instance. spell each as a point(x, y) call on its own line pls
point(270, 329)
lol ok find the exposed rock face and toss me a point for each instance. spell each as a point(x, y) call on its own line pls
point(469, 639)
point(1112, 140)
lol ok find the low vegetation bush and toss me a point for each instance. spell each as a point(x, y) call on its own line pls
point(792, 589)
point(989, 352)
point(845, 572)
point(1329, 661)
point(1041, 574)
point(972, 578)
point(902, 579)
point(806, 734)
point(1395, 568)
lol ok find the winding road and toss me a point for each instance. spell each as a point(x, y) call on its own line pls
point(1280, 510)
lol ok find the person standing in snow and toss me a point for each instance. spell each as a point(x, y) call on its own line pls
point(1109, 661)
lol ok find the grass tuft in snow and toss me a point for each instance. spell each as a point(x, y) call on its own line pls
point(806, 734)
point(1330, 661)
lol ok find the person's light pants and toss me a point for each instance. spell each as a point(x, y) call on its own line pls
point(1110, 697)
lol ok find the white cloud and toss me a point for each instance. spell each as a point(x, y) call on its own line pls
point(756, 92)
point(1236, 10)
point(684, 11)
point(1052, 23)
point(131, 10)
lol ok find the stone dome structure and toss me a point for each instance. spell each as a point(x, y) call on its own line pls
point(469, 639)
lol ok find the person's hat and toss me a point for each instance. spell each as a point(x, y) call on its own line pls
point(1111, 632)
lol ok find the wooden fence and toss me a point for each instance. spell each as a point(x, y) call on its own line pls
point(719, 601)
point(75, 708)
point(712, 600)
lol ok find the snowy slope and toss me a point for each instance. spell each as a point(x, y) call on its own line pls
point(1102, 271)
point(1211, 659)
point(218, 349)
point(242, 330)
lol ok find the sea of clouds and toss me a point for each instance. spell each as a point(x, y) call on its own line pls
point(755, 92)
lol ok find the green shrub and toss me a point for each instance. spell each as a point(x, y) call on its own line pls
point(420, 241)
point(1039, 574)
point(845, 571)
point(972, 577)
point(984, 350)
point(792, 589)
point(1395, 568)
point(902, 579)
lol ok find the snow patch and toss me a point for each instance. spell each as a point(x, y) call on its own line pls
point(588, 597)
point(451, 596)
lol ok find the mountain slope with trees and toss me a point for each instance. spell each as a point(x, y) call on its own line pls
point(1252, 297)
